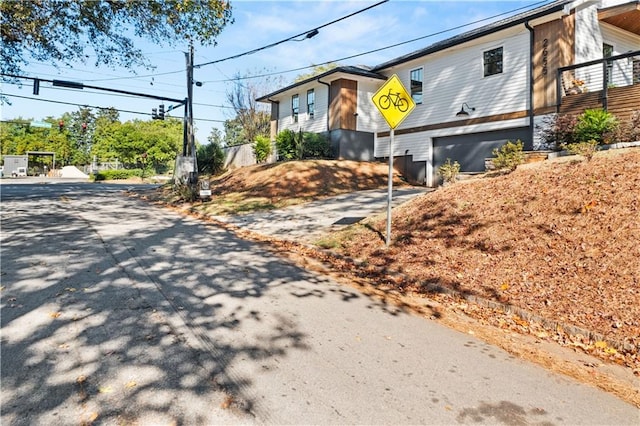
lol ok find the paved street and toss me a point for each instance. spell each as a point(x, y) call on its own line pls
point(120, 312)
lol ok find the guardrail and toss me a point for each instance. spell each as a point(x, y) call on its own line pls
point(598, 75)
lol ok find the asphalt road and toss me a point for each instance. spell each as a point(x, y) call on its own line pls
point(118, 311)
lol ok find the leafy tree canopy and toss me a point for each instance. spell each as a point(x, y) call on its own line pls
point(317, 70)
point(67, 31)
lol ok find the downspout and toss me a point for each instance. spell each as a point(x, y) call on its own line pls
point(273, 133)
point(337, 153)
point(531, 79)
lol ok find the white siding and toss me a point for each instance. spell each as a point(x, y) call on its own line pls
point(590, 35)
point(622, 42)
point(454, 77)
point(305, 123)
point(368, 115)
point(588, 43)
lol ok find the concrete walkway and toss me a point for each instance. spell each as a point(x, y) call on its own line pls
point(309, 221)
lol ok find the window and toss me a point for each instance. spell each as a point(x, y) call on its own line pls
point(311, 102)
point(416, 85)
point(493, 62)
point(295, 107)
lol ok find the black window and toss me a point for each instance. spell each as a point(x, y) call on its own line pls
point(416, 85)
point(493, 62)
point(295, 107)
point(311, 102)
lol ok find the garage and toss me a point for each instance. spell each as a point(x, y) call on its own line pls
point(470, 150)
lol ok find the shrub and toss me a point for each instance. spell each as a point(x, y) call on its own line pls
point(262, 148)
point(558, 130)
point(449, 171)
point(286, 145)
point(187, 192)
point(210, 158)
point(118, 174)
point(314, 145)
point(296, 146)
point(596, 124)
point(509, 156)
point(586, 149)
point(629, 131)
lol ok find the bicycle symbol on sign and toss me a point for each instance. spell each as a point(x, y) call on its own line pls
point(394, 99)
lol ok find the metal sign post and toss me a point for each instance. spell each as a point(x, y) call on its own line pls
point(395, 104)
point(390, 187)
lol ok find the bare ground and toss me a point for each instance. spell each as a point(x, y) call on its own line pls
point(536, 261)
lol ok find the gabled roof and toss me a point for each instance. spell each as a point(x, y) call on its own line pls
point(358, 71)
point(478, 32)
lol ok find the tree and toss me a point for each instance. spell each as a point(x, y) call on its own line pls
point(210, 158)
point(317, 70)
point(233, 132)
point(251, 117)
point(67, 31)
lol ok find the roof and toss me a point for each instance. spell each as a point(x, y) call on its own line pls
point(358, 71)
point(512, 21)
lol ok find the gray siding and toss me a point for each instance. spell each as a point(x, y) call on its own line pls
point(470, 150)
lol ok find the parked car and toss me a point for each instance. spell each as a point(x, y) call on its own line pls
point(19, 172)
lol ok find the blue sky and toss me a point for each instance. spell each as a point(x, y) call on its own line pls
point(257, 23)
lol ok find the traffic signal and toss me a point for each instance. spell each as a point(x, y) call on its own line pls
point(36, 86)
point(154, 113)
point(161, 112)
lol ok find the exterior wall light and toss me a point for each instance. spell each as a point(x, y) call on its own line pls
point(463, 112)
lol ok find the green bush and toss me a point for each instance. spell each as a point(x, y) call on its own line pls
point(262, 148)
point(449, 171)
point(586, 149)
point(210, 158)
point(315, 145)
point(286, 145)
point(596, 124)
point(118, 174)
point(509, 156)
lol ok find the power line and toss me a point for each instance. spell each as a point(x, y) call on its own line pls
point(381, 48)
point(307, 34)
point(101, 107)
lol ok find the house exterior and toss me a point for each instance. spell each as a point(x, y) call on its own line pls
point(479, 89)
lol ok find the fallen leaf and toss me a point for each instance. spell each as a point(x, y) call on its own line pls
point(105, 389)
point(600, 344)
point(131, 384)
point(54, 314)
point(70, 289)
point(504, 286)
point(81, 379)
point(93, 417)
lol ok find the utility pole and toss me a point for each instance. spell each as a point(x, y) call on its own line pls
point(189, 169)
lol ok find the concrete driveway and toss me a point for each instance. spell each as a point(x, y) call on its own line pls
point(308, 222)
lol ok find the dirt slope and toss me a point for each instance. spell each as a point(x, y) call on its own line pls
point(559, 239)
point(304, 179)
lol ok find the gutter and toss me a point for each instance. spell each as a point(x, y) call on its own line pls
point(328, 100)
point(531, 79)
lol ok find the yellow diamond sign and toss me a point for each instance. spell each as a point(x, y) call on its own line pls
point(393, 101)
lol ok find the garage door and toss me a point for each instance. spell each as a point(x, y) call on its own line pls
point(470, 150)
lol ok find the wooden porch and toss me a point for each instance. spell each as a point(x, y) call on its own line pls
point(621, 101)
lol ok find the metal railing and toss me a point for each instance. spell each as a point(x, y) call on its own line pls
point(599, 74)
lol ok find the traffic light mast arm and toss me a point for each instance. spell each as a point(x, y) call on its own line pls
point(70, 84)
